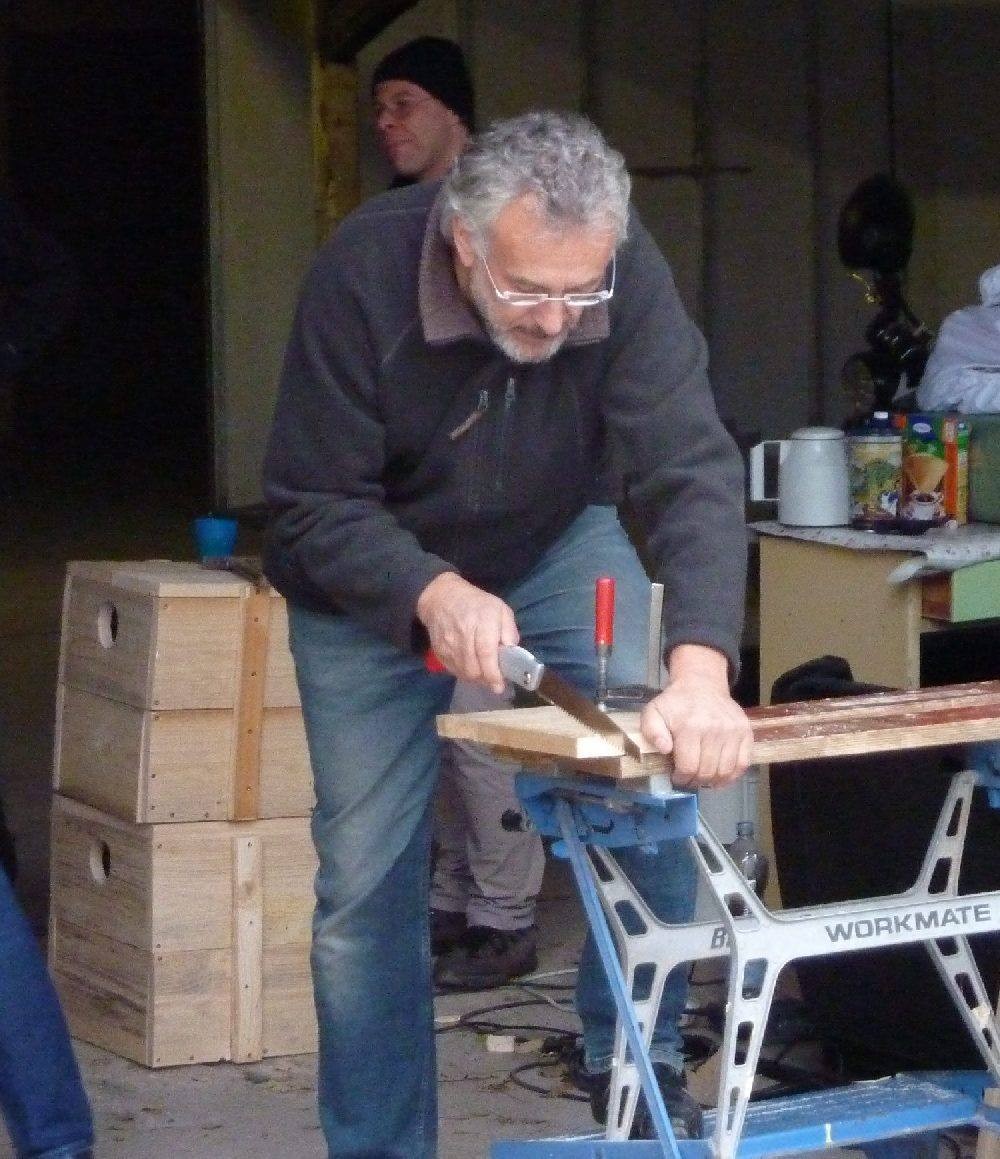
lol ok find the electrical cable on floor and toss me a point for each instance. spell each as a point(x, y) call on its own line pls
point(559, 1092)
point(702, 1030)
point(540, 993)
point(568, 972)
point(477, 1022)
point(791, 1080)
point(558, 1046)
point(702, 1033)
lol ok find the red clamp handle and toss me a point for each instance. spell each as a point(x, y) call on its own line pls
point(604, 612)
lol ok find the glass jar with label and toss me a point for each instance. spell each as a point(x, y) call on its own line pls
point(875, 460)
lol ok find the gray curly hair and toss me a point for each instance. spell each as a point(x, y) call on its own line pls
point(559, 158)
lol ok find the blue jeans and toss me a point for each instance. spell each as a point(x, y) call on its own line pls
point(369, 714)
point(43, 1100)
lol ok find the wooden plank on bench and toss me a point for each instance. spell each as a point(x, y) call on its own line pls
point(877, 722)
point(801, 730)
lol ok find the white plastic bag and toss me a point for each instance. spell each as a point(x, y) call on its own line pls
point(963, 370)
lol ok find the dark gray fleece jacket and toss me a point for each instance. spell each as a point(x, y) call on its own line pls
point(406, 444)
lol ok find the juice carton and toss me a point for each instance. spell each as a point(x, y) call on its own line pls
point(936, 468)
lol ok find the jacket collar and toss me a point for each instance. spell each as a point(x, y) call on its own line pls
point(446, 314)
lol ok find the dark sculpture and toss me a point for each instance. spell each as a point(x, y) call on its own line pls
point(875, 233)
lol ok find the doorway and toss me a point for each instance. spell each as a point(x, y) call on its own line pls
point(105, 151)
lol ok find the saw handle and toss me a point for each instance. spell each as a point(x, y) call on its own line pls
point(432, 663)
point(604, 612)
point(517, 664)
point(520, 667)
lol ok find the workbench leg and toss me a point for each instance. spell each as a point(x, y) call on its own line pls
point(649, 950)
point(644, 943)
point(584, 873)
point(754, 966)
point(952, 956)
point(988, 1144)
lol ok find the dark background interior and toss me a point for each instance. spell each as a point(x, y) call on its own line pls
point(105, 151)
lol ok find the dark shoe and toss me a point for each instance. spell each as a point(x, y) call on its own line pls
point(448, 928)
point(487, 958)
point(682, 1111)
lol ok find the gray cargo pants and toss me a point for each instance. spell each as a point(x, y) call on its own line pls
point(481, 869)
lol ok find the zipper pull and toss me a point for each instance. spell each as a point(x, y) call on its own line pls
point(466, 424)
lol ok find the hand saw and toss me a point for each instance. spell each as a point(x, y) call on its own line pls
point(521, 668)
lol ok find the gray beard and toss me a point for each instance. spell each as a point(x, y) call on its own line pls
point(508, 345)
point(477, 295)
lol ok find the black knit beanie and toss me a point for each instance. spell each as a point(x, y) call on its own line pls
point(438, 67)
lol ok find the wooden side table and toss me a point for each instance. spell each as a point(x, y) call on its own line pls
point(817, 600)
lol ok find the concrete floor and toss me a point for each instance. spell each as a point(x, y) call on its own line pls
point(266, 1109)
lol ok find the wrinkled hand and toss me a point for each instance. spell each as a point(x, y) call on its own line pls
point(697, 721)
point(467, 626)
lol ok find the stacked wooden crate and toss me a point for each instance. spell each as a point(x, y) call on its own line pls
point(182, 865)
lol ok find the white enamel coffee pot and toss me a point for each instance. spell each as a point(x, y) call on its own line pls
point(813, 489)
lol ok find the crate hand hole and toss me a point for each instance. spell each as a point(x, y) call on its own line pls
point(107, 625)
point(100, 862)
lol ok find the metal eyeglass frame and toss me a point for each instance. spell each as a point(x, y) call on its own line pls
point(518, 298)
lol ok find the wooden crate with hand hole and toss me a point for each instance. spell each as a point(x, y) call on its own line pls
point(184, 942)
point(177, 698)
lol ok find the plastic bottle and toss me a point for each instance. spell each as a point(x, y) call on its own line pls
point(749, 858)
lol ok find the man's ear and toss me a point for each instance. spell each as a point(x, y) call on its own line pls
point(461, 237)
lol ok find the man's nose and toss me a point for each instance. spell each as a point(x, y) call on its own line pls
point(551, 317)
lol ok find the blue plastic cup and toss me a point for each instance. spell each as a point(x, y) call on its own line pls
point(214, 536)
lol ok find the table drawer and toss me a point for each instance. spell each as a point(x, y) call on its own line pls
point(969, 593)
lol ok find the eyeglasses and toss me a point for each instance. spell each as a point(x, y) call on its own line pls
point(401, 109)
point(517, 298)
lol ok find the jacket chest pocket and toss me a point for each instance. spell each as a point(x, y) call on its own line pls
point(484, 449)
point(522, 448)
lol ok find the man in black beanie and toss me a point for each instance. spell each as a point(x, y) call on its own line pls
point(424, 108)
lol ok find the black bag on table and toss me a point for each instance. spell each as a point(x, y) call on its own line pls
point(848, 828)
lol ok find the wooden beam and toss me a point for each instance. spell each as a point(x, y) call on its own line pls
point(335, 144)
point(799, 731)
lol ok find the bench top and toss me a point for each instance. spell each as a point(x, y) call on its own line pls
point(801, 730)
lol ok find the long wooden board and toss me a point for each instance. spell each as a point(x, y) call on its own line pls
point(798, 731)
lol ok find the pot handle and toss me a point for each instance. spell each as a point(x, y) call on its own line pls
point(757, 492)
